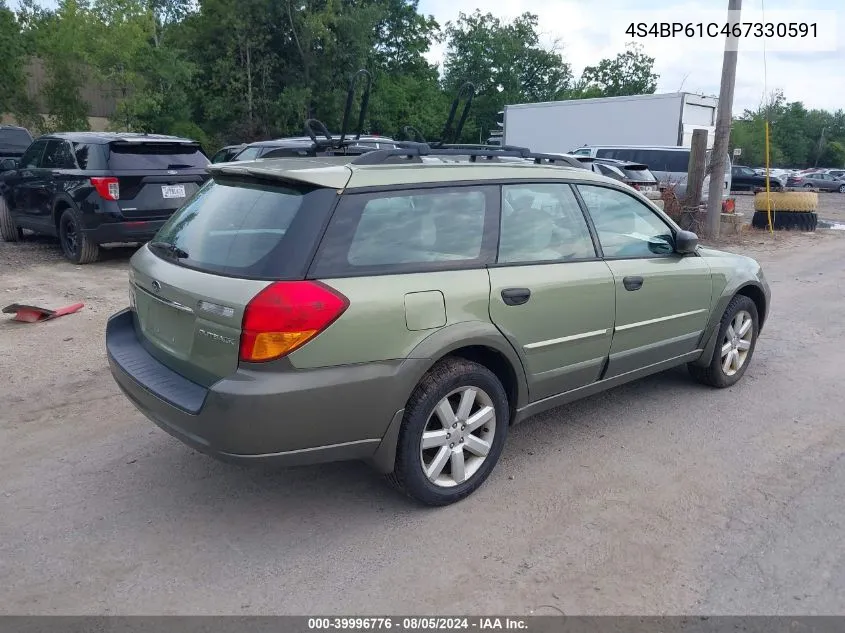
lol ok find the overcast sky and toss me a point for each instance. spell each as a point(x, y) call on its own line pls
point(592, 29)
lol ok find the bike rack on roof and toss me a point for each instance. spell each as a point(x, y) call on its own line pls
point(315, 127)
point(450, 134)
point(414, 151)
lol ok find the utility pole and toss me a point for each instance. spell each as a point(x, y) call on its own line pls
point(724, 117)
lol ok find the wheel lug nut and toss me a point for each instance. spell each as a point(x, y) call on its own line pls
point(448, 435)
point(461, 440)
point(463, 426)
point(452, 445)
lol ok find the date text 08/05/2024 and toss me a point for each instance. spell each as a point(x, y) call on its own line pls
point(714, 29)
point(417, 624)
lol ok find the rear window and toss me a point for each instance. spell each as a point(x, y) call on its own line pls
point(147, 156)
point(14, 140)
point(641, 175)
point(246, 228)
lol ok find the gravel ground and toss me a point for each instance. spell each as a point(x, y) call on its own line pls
point(660, 497)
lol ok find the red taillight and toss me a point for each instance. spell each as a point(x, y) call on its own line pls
point(286, 315)
point(108, 188)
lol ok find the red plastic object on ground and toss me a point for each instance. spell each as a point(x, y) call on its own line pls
point(32, 314)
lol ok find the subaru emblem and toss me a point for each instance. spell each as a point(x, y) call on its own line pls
point(172, 172)
point(156, 286)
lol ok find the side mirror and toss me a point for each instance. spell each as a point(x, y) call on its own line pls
point(8, 164)
point(685, 242)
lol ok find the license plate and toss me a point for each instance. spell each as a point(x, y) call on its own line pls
point(173, 191)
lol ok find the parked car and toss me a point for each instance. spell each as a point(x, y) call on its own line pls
point(225, 154)
point(13, 141)
point(635, 175)
point(746, 179)
point(407, 313)
point(774, 173)
point(837, 173)
point(92, 188)
point(300, 146)
point(668, 164)
point(817, 180)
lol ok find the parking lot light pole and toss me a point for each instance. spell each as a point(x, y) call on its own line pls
point(723, 125)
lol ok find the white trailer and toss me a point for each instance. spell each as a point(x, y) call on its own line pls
point(564, 126)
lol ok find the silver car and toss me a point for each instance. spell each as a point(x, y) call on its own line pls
point(817, 180)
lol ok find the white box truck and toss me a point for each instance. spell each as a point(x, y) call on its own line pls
point(656, 120)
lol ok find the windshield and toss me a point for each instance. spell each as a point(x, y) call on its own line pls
point(248, 153)
point(14, 140)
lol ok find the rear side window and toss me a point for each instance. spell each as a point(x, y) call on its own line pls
point(409, 231)
point(246, 228)
point(149, 156)
point(89, 156)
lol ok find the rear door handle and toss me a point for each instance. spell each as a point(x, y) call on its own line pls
point(632, 283)
point(516, 296)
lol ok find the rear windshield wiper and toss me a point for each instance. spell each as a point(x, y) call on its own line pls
point(179, 166)
point(171, 249)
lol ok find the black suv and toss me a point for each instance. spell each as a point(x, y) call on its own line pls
point(13, 141)
point(92, 188)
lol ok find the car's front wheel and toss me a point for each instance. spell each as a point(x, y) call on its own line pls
point(76, 244)
point(735, 345)
point(453, 433)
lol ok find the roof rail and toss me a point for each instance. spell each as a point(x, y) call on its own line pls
point(412, 150)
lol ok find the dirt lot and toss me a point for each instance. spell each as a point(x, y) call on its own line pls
point(658, 497)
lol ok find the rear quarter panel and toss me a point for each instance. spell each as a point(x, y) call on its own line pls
point(382, 310)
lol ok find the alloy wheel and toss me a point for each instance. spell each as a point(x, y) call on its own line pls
point(458, 436)
point(737, 343)
point(71, 238)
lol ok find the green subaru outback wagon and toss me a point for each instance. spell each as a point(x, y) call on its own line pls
point(406, 308)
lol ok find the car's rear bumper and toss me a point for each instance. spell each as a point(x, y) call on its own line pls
point(284, 418)
point(127, 231)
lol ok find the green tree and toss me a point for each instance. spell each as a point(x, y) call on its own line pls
point(13, 56)
point(629, 73)
point(505, 62)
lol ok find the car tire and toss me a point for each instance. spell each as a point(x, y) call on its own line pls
point(808, 186)
point(9, 230)
point(731, 342)
point(76, 244)
point(842, 189)
point(432, 475)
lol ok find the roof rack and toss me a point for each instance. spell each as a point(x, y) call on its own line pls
point(414, 151)
point(450, 134)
